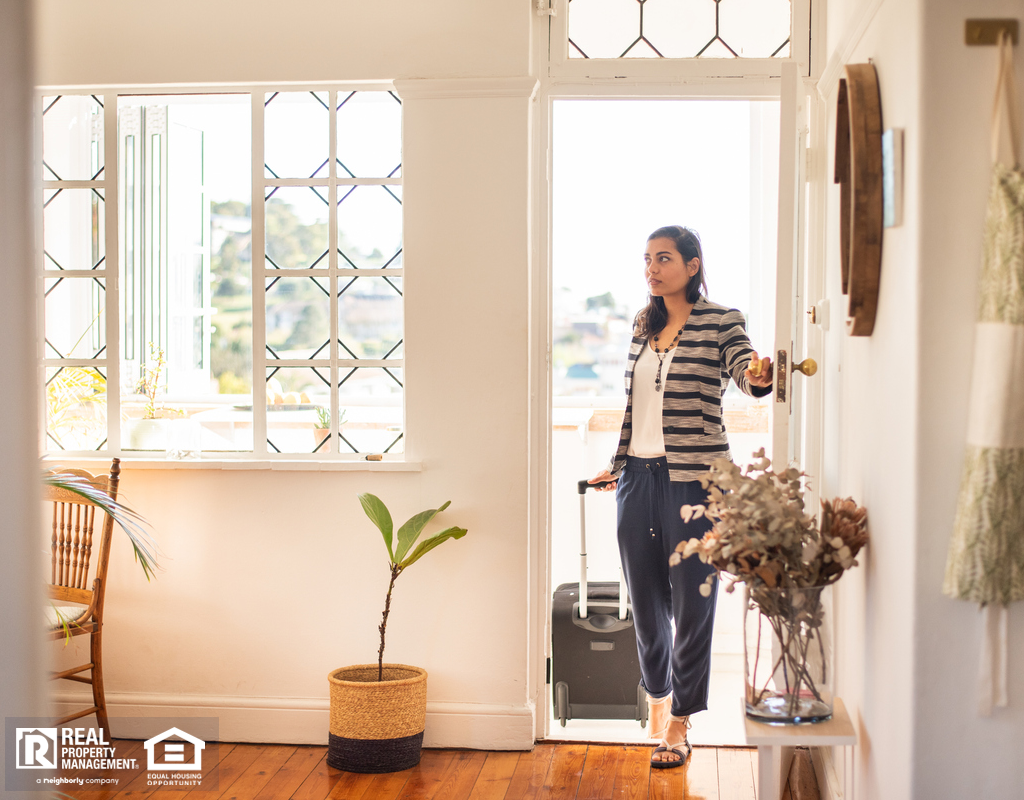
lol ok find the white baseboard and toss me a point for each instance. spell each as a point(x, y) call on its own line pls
point(305, 720)
point(825, 771)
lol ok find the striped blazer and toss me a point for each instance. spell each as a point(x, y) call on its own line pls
point(712, 348)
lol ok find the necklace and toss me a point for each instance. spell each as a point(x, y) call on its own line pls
point(661, 357)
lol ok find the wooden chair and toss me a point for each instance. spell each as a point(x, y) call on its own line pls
point(74, 557)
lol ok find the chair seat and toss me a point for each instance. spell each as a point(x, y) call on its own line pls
point(68, 611)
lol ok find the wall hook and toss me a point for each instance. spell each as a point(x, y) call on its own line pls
point(986, 31)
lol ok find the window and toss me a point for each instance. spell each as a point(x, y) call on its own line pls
point(244, 292)
point(679, 28)
point(676, 38)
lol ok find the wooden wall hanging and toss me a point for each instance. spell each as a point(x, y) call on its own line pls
point(858, 170)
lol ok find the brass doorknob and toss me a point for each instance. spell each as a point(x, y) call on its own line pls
point(808, 366)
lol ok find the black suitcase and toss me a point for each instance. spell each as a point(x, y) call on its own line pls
point(595, 671)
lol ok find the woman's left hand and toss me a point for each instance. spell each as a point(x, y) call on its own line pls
point(764, 376)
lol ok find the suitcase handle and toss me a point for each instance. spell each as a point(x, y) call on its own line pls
point(623, 613)
point(582, 486)
point(602, 622)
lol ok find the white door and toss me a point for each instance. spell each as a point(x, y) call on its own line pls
point(786, 417)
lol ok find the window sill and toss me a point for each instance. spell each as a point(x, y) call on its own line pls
point(280, 465)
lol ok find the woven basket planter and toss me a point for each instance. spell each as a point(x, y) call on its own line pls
point(377, 726)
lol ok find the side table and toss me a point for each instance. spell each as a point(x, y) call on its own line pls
point(775, 745)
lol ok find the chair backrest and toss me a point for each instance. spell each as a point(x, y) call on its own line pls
point(72, 539)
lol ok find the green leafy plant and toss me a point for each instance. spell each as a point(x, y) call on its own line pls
point(323, 417)
point(149, 384)
point(400, 549)
point(130, 521)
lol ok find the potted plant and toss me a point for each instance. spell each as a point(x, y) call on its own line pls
point(322, 429)
point(150, 432)
point(378, 711)
point(763, 537)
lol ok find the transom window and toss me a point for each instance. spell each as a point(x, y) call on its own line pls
point(679, 28)
point(245, 295)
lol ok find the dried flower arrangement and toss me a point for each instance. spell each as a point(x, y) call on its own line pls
point(764, 538)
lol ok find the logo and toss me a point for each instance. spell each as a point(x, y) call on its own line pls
point(36, 747)
point(165, 756)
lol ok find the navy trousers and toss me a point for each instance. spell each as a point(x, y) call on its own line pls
point(673, 621)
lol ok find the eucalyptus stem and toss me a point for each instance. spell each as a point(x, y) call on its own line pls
point(395, 572)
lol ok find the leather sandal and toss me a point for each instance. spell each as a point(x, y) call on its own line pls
point(681, 749)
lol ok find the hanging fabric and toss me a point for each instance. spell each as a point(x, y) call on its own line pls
point(986, 553)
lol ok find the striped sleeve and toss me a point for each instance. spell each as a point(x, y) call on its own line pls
point(736, 351)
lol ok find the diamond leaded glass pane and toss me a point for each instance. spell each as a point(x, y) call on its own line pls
point(296, 117)
point(76, 408)
point(679, 28)
point(369, 227)
point(369, 135)
point(72, 138)
point(73, 229)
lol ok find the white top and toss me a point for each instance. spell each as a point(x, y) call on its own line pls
point(648, 438)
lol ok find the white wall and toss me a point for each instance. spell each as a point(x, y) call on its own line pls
point(896, 418)
point(105, 42)
point(273, 578)
point(958, 85)
point(22, 660)
point(870, 391)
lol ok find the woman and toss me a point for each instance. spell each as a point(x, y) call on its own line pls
point(684, 351)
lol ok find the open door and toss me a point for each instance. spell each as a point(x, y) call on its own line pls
point(786, 430)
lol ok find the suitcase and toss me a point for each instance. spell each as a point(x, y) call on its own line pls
point(595, 670)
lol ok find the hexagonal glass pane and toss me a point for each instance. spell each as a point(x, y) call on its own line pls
point(602, 28)
point(73, 229)
point(294, 422)
point(754, 28)
point(369, 135)
point(72, 138)
point(369, 226)
point(298, 317)
point(296, 134)
point(75, 317)
point(76, 408)
point(296, 227)
point(370, 317)
point(372, 400)
point(679, 29)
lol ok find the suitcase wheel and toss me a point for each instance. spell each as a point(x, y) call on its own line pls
point(562, 702)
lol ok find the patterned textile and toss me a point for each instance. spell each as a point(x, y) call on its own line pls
point(986, 553)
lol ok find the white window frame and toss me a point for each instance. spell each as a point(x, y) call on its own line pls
point(110, 362)
point(803, 49)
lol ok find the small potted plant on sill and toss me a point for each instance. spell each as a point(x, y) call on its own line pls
point(322, 429)
point(149, 432)
point(378, 711)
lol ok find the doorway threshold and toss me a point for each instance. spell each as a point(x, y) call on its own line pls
point(721, 725)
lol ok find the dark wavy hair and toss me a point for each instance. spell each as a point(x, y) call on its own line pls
point(653, 316)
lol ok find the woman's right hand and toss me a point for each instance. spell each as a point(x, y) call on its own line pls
point(605, 475)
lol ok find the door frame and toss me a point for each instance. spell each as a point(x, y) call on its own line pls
point(809, 282)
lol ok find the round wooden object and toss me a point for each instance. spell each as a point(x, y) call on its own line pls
point(858, 170)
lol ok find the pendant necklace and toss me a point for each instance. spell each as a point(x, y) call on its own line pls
point(661, 357)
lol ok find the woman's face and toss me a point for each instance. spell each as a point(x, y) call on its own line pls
point(666, 271)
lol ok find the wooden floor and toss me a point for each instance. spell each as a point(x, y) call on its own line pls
point(550, 771)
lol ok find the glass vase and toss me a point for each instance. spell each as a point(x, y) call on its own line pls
point(787, 654)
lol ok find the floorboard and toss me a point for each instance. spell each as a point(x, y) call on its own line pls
point(551, 771)
point(495, 777)
point(735, 774)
